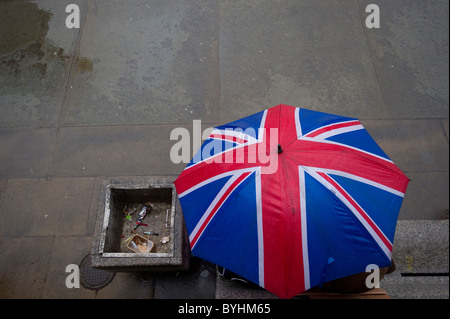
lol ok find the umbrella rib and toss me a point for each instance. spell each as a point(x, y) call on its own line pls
point(383, 243)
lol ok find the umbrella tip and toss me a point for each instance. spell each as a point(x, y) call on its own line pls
point(279, 149)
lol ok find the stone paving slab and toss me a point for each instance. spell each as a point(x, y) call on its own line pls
point(2, 188)
point(35, 61)
point(421, 249)
point(113, 151)
point(399, 287)
point(445, 125)
point(409, 53)
point(128, 286)
point(426, 197)
point(24, 275)
point(418, 145)
point(197, 283)
point(421, 246)
point(40, 207)
point(65, 250)
point(145, 63)
point(227, 289)
point(26, 152)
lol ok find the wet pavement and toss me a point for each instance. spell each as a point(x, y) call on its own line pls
point(78, 106)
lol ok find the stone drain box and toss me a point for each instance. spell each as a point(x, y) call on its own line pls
point(113, 229)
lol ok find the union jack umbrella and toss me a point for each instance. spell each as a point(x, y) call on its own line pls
point(290, 198)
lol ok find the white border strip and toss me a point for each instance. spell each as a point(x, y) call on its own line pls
point(329, 125)
point(338, 131)
point(232, 133)
point(260, 228)
point(214, 178)
point(298, 125)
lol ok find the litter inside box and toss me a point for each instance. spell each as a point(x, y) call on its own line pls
point(154, 226)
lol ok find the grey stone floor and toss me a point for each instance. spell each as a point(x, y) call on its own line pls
point(81, 105)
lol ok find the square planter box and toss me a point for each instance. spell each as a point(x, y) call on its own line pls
point(165, 220)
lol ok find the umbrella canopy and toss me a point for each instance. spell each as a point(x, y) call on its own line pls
point(290, 198)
